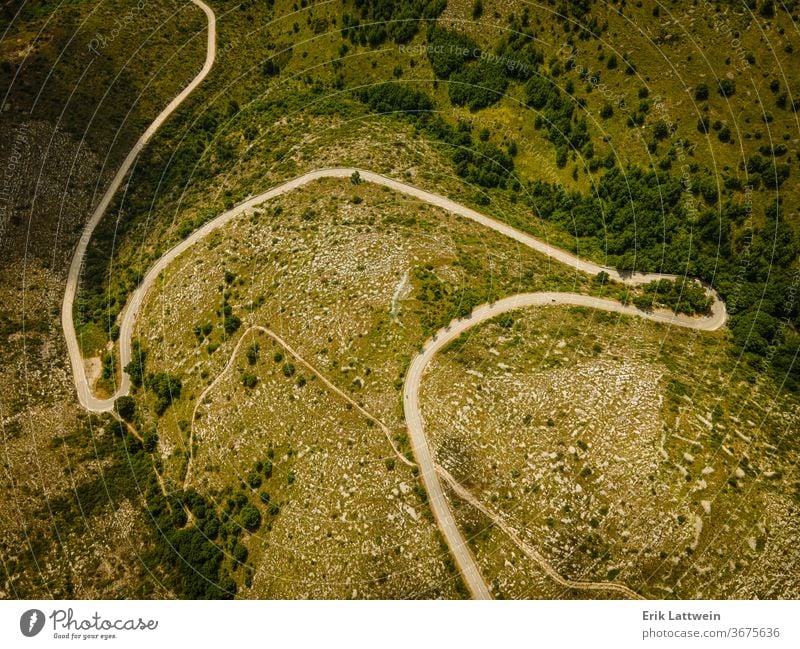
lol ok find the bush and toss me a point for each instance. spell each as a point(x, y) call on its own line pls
point(239, 553)
point(395, 97)
point(167, 389)
point(477, 86)
point(449, 51)
point(727, 87)
point(252, 353)
point(660, 130)
point(701, 92)
point(150, 441)
point(249, 380)
point(126, 408)
point(250, 518)
point(288, 370)
point(477, 9)
point(135, 369)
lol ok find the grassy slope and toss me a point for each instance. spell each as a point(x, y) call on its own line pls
point(246, 123)
point(250, 34)
point(531, 433)
point(69, 491)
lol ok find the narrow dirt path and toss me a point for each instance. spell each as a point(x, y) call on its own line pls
point(310, 368)
point(527, 548)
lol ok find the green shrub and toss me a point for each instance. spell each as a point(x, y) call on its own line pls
point(126, 407)
point(250, 518)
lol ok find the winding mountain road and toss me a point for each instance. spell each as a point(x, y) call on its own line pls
point(85, 395)
point(427, 468)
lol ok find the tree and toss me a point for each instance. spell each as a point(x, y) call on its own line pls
point(249, 380)
point(727, 87)
point(150, 440)
point(166, 387)
point(701, 92)
point(660, 130)
point(355, 177)
point(250, 518)
point(270, 68)
point(126, 407)
point(643, 302)
point(239, 553)
point(135, 369)
point(477, 9)
point(602, 278)
point(252, 353)
point(288, 369)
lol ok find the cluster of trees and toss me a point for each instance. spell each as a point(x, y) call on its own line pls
point(166, 388)
point(682, 296)
point(640, 219)
point(230, 321)
point(193, 552)
point(381, 20)
point(395, 97)
point(478, 79)
point(478, 85)
point(449, 51)
point(188, 559)
point(478, 162)
point(766, 171)
point(441, 302)
point(135, 368)
point(517, 47)
point(558, 117)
